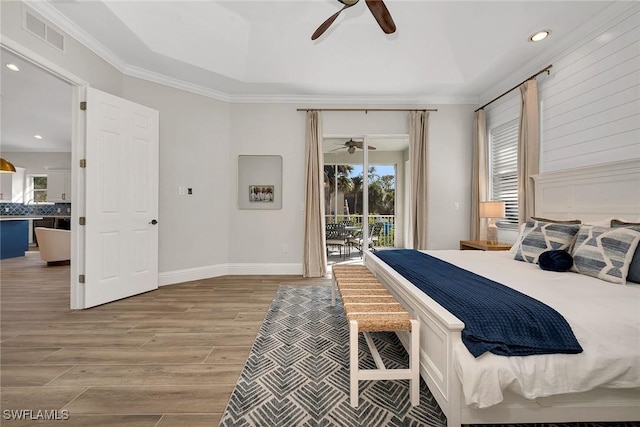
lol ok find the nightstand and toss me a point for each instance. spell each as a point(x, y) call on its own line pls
point(483, 245)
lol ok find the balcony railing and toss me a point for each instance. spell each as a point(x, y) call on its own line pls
point(387, 229)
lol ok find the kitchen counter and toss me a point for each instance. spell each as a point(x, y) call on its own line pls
point(18, 218)
point(23, 217)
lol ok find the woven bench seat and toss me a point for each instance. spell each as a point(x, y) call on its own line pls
point(363, 292)
point(368, 300)
point(390, 307)
point(381, 322)
point(349, 267)
point(369, 307)
point(362, 286)
point(356, 278)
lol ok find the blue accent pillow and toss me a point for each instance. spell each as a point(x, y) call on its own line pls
point(557, 260)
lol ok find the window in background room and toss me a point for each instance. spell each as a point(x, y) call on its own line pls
point(503, 170)
point(36, 188)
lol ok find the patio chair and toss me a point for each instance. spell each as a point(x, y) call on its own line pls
point(336, 235)
point(373, 237)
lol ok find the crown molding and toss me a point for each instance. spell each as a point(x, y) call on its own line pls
point(165, 80)
point(351, 100)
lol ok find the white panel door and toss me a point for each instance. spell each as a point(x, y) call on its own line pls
point(121, 231)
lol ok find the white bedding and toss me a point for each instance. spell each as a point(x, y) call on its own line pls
point(605, 319)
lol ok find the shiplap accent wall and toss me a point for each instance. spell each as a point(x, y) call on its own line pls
point(590, 103)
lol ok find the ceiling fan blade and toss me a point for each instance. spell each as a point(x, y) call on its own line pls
point(326, 24)
point(371, 147)
point(382, 15)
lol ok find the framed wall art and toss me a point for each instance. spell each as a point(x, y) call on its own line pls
point(259, 182)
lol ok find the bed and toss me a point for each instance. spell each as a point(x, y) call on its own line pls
point(492, 389)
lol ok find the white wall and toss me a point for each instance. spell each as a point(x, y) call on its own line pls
point(194, 152)
point(258, 236)
point(450, 143)
point(591, 101)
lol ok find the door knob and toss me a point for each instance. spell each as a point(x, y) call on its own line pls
point(153, 222)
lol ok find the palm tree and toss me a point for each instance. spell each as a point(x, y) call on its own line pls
point(330, 182)
point(356, 190)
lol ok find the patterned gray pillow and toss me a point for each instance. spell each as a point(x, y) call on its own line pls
point(634, 268)
point(539, 236)
point(604, 252)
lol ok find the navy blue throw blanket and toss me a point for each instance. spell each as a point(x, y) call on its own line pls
point(497, 318)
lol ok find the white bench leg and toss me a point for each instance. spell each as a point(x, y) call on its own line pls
point(334, 285)
point(353, 361)
point(414, 362)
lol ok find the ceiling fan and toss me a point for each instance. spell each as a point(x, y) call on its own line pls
point(377, 8)
point(351, 146)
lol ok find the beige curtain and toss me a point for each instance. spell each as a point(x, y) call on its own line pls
point(315, 257)
point(528, 149)
point(479, 175)
point(419, 157)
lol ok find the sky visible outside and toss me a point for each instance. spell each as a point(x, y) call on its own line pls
point(381, 170)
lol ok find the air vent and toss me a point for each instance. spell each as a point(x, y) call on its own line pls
point(42, 30)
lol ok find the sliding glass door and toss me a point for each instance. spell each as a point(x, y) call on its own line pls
point(365, 190)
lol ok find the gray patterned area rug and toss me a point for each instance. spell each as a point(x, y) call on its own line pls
point(297, 373)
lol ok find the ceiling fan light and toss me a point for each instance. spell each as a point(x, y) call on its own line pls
point(6, 167)
point(351, 150)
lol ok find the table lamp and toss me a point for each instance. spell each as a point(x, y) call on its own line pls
point(492, 210)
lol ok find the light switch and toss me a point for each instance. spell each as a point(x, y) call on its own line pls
point(181, 191)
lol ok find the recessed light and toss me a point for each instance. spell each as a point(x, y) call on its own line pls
point(13, 67)
point(539, 36)
point(37, 136)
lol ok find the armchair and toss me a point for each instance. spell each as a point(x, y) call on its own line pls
point(54, 245)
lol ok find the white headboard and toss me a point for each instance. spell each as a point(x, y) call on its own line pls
point(590, 193)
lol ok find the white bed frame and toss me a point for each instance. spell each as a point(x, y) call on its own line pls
point(590, 194)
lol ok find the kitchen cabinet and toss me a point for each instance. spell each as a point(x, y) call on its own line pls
point(14, 237)
point(12, 186)
point(59, 186)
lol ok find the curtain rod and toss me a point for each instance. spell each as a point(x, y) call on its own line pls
point(366, 110)
point(545, 69)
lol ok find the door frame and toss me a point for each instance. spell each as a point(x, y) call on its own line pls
point(78, 94)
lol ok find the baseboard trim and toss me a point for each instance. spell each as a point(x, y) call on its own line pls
point(190, 274)
point(210, 271)
point(246, 269)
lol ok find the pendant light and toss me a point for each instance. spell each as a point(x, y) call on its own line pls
point(6, 167)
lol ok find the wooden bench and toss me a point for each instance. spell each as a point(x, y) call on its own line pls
point(369, 307)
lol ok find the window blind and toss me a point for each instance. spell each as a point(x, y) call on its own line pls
point(503, 170)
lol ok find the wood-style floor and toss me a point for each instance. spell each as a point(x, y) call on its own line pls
point(170, 357)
